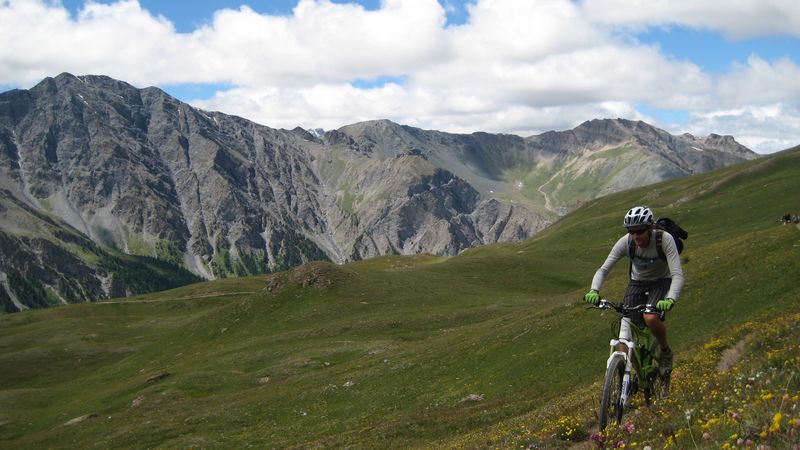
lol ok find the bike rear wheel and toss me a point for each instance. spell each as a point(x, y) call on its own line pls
point(611, 404)
point(657, 388)
point(657, 384)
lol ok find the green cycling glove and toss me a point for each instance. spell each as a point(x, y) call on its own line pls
point(592, 297)
point(666, 304)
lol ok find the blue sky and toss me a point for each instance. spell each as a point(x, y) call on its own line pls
point(510, 66)
point(715, 53)
point(188, 15)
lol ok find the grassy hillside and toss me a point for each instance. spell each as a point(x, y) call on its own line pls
point(490, 348)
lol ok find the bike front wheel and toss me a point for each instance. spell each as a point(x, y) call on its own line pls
point(611, 404)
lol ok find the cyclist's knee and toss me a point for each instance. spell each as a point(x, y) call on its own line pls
point(652, 319)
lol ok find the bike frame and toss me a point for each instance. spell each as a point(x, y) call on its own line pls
point(638, 359)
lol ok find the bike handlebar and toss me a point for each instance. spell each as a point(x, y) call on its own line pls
point(622, 309)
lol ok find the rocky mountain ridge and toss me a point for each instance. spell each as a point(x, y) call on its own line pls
point(139, 171)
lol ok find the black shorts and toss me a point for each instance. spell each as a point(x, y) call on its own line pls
point(646, 292)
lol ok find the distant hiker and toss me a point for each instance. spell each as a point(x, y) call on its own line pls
point(786, 218)
point(656, 275)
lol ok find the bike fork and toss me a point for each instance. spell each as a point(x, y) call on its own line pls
point(626, 378)
point(626, 388)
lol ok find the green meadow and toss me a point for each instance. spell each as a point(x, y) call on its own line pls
point(491, 348)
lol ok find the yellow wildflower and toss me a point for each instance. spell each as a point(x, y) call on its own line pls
point(776, 422)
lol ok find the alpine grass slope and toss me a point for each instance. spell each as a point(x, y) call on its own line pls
point(491, 348)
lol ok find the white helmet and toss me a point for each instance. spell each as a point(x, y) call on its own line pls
point(638, 215)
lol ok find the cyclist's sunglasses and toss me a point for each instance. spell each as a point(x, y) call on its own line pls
point(638, 231)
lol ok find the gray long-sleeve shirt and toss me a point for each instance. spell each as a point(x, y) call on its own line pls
point(646, 265)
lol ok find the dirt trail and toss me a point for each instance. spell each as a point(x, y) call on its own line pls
point(212, 294)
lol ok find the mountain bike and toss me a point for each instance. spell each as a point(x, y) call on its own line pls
point(632, 364)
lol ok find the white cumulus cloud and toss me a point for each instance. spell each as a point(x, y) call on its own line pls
point(737, 19)
point(516, 66)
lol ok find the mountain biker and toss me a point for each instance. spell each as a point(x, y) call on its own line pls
point(654, 281)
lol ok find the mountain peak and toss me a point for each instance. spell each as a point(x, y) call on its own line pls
point(371, 126)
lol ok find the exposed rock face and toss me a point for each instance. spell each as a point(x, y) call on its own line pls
point(45, 262)
point(139, 171)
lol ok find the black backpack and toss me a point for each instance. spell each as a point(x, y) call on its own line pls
point(662, 225)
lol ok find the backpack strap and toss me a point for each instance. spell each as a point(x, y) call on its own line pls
point(631, 255)
point(631, 248)
point(659, 242)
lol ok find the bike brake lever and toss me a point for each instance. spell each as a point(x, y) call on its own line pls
point(596, 307)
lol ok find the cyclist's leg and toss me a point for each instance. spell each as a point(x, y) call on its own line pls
point(658, 328)
point(656, 291)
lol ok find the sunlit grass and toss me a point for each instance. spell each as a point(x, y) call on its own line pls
point(752, 403)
